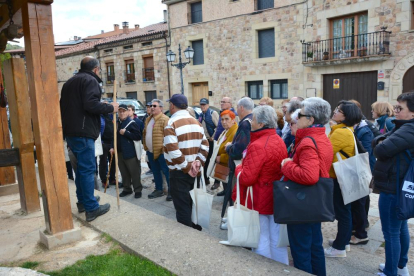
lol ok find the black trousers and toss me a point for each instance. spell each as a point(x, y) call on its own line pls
point(210, 152)
point(104, 160)
point(359, 217)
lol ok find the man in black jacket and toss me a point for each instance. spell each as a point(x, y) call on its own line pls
point(107, 146)
point(80, 108)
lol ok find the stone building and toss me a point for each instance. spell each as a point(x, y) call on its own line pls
point(136, 59)
point(336, 49)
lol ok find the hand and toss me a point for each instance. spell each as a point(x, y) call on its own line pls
point(122, 131)
point(115, 105)
point(284, 161)
point(195, 168)
point(218, 159)
point(111, 151)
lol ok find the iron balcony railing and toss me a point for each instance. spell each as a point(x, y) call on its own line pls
point(110, 79)
point(129, 77)
point(148, 74)
point(361, 45)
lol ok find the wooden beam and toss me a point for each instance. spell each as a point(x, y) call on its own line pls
point(7, 175)
point(21, 123)
point(47, 125)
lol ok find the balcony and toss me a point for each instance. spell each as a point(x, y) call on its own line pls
point(348, 49)
point(110, 79)
point(148, 74)
point(129, 77)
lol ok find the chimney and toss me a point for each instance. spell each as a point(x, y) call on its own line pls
point(136, 26)
point(75, 38)
point(165, 16)
point(102, 31)
point(116, 27)
point(125, 27)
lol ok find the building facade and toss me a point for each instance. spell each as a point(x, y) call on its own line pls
point(360, 49)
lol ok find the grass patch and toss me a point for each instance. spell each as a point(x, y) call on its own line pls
point(29, 265)
point(107, 238)
point(115, 263)
point(382, 244)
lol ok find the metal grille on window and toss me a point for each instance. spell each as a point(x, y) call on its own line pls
point(255, 89)
point(198, 52)
point(265, 4)
point(196, 12)
point(266, 43)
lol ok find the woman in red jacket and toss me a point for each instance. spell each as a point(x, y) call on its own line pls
point(260, 167)
point(311, 160)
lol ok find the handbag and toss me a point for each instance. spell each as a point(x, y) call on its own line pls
point(294, 203)
point(216, 170)
point(98, 146)
point(221, 173)
point(353, 175)
point(243, 224)
point(405, 192)
point(137, 144)
point(283, 240)
point(202, 203)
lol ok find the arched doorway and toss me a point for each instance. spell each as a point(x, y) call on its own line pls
point(408, 80)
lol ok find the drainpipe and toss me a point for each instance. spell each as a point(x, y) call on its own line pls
point(168, 67)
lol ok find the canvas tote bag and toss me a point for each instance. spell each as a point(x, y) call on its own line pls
point(202, 203)
point(137, 144)
point(215, 170)
point(353, 174)
point(243, 224)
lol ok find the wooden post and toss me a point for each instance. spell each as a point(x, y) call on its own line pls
point(47, 125)
point(21, 123)
point(116, 149)
point(7, 175)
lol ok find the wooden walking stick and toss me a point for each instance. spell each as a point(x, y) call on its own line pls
point(109, 172)
point(116, 150)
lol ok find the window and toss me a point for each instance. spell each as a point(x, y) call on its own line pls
point(148, 70)
point(128, 47)
point(150, 95)
point(349, 34)
point(198, 52)
point(110, 73)
point(196, 12)
point(255, 89)
point(279, 89)
point(132, 95)
point(130, 71)
point(108, 51)
point(265, 4)
point(144, 44)
point(266, 40)
point(110, 95)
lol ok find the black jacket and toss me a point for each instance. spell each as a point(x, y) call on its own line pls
point(395, 145)
point(108, 133)
point(80, 105)
point(125, 143)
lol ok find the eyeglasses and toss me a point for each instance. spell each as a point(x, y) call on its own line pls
point(338, 110)
point(397, 108)
point(291, 124)
point(223, 102)
point(300, 115)
point(154, 106)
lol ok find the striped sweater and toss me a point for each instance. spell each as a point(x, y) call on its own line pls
point(184, 142)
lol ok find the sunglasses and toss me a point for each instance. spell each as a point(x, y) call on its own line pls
point(300, 115)
point(154, 106)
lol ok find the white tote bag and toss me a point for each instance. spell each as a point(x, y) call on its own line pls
point(283, 240)
point(354, 175)
point(98, 146)
point(137, 144)
point(243, 224)
point(202, 203)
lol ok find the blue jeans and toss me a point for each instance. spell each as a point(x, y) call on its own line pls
point(306, 247)
point(343, 215)
point(84, 150)
point(157, 166)
point(396, 235)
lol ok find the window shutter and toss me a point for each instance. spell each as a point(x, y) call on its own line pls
point(266, 43)
point(198, 52)
point(196, 12)
point(265, 4)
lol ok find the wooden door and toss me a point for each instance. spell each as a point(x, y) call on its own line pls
point(200, 90)
point(148, 68)
point(408, 81)
point(361, 86)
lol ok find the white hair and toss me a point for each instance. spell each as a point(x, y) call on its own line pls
point(246, 103)
point(265, 115)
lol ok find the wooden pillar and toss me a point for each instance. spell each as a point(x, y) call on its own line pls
point(21, 123)
point(47, 125)
point(7, 175)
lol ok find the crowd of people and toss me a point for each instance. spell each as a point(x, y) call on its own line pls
point(256, 143)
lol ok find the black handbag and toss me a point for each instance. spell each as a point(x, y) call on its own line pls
point(294, 203)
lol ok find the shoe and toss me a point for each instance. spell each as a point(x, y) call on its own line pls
point(334, 253)
point(80, 206)
point(155, 194)
point(215, 186)
point(221, 193)
point(169, 197)
point(354, 240)
point(103, 209)
point(347, 247)
point(124, 193)
point(71, 178)
point(223, 225)
point(120, 185)
point(401, 271)
point(197, 227)
point(148, 172)
point(138, 195)
point(153, 181)
point(224, 219)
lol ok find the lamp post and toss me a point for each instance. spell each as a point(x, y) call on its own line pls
point(189, 54)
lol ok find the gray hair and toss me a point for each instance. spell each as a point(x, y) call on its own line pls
point(158, 101)
point(294, 117)
point(265, 115)
point(293, 105)
point(246, 103)
point(317, 108)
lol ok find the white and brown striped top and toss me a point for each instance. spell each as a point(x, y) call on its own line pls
point(184, 142)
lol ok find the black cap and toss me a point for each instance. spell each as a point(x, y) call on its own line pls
point(149, 103)
point(123, 106)
point(179, 100)
point(204, 101)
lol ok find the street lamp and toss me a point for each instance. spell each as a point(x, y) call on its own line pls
point(189, 54)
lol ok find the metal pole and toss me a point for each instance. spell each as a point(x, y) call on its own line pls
point(180, 65)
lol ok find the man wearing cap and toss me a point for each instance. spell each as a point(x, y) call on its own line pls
point(185, 149)
point(149, 172)
point(209, 120)
point(80, 108)
point(153, 144)
point(128, 131)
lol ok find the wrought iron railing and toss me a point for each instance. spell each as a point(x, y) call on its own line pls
point(110, 79)
point(129, 77)
point(361, 45)
point(148, 74)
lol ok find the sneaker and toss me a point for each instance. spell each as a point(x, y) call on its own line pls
point(224, 219)
point(215, 186)
point(169, 197)
point(354, 240)
point(223, 226)
point(80, 206)
point(401, 271)
point(347, 247)
point(103, 209)
point(221, 193)
point(138, 195)
point(148, 172)
point(124, 193)
point(155, 194)
point(334, 253)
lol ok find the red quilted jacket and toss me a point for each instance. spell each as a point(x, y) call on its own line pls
point(307, 165)
point(260, 167)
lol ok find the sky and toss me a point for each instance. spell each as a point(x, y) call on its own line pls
point(88, 17)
